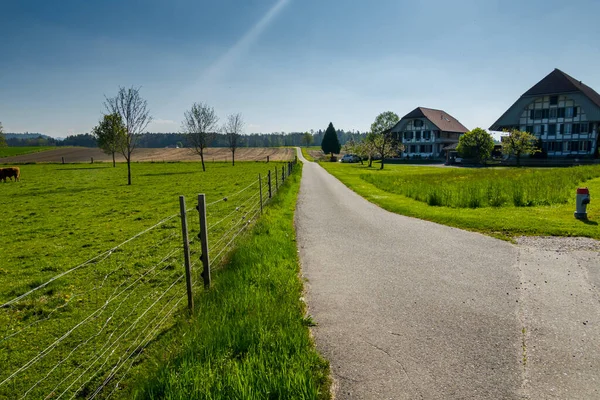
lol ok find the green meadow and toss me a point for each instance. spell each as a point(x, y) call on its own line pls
point(502, 202)
point(91, 328)
point(18, 151)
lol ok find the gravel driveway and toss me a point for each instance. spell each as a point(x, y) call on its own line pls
point(408, 309)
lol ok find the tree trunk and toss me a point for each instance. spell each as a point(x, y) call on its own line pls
point(114, 163)
point(202, 158)
point(370, 161)
point(233, 158)
point(381, 167)
point(129, 169)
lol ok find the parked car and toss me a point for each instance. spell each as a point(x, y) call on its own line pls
point(350, 158)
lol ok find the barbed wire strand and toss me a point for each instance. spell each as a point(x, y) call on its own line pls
point(107, 341)
point(45, 352)
point(226, 198)
point(82, 293)
point(107, 253)
point(128, 329)
point(231, 213)
point(224, 236)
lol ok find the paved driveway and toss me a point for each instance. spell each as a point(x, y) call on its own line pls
point(408, 309)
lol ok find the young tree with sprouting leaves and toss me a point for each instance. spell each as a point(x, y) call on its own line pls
point(233, 128)
point(307, 139)
point(133, 111)
point(2, 138)
point(110, 134)
point(199, 126)
point(518, 143)
point(476, 144)
point(383, 140)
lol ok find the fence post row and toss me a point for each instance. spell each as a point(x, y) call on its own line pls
point(203, 235)
point(260, 193)
point(186, 253)
point(269, 179)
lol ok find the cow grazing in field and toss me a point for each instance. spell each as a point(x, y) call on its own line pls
point(11, 172)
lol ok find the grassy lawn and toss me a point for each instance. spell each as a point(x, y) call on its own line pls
point(306, 154)
point(17, 151)
point(250, 339)
point(59, 216)
point(521, 201)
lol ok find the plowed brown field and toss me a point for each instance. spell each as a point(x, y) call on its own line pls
point(83, 154)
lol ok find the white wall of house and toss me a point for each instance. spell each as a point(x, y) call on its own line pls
point(562, 124)
point(421, 138)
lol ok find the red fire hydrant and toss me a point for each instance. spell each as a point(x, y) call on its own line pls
point(583, 199)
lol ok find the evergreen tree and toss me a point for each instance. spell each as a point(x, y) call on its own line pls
point(330, 143)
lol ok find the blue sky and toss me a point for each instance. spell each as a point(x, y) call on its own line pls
point(287, 65)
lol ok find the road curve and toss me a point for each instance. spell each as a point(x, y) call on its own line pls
point(408, 309)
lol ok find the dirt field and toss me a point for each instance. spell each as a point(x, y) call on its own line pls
point(84, 155)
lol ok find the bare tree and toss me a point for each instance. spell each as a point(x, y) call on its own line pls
point(199, 125)
point(233, 129)
point(134, 113)
point(2, 138)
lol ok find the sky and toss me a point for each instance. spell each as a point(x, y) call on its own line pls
point(286, 65)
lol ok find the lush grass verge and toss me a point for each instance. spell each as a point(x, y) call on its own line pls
point(59, 216)
point(490, 187)
point(503, 222)
point(17, 151)
point(249, 339)
point(306, 154)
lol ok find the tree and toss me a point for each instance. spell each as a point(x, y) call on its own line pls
point(110, 134)
point(135, 115)
point(330, 143)
point(199, 126)
point(369, 147)
point(476, 144)
point(233, 129)
point(2, 138)
point(307, 138)
point(356, 147)
point(519, 143)
point(381, 128)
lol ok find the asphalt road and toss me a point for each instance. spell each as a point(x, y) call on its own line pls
point(408, 309)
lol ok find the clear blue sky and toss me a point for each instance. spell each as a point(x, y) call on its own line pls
point(287, 65)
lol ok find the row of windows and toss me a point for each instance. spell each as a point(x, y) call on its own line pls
point(561, 129)
point(554, 113)
point(423, 148)
point(571, 146)
point(426, 135)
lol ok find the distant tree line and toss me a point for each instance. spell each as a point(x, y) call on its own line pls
point(160, 140)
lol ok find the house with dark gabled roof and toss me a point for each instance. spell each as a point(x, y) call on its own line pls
point(425, 132)
point(561, 111)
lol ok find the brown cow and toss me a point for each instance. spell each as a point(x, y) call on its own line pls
point(10, 173)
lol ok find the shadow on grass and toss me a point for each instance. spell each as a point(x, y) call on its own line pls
point(588, 222)
point(85, 168)
point(171, 173)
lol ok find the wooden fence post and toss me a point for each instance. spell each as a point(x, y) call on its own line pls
point(260, 193)
point(267, 159)
point(282, 174)
point(186, 254)
point(92, 160)
point(276, 180)
point(63, 160)
point(269, 179)
point(204, 240)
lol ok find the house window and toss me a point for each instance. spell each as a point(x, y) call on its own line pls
point(408, 135)
point(553, 100)
point(585, 145)
point(561, 112)
point(418, 123)
point(551, 129)
point(418, 135)
point(583, 127)
point(545, 113)
point(417, 148)
point(553, 113)
point(569, 112)
point(412, 148)
point(537, 114)
point(552, 146)
point(531, 114)
point(568, 129)
point(427, 135)
point(576, 128)
point(529, 128)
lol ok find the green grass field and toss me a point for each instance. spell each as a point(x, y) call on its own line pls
point(499, 202)
point(17, 151)
point(64, 337)
point(306, 154)
point(250, 338)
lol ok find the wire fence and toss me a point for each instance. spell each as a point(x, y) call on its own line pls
point(80, 333)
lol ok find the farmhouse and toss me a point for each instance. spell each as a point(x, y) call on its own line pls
point(561, 111)
point(425, 132)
